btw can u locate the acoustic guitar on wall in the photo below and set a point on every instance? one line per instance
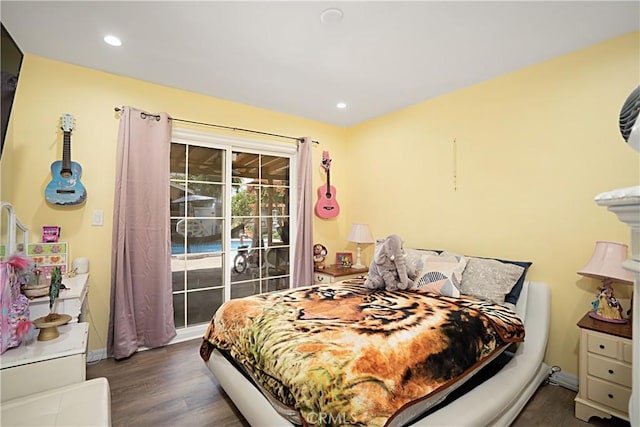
(65, 187)
(327, 204)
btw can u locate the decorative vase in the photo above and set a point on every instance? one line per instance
(48, 325)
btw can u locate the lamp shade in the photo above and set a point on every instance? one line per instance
(606, 263)
(360, 234)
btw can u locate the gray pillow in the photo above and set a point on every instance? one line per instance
(489, 279)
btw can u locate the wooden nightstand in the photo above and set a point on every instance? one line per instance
(605, 369)
(334, 273)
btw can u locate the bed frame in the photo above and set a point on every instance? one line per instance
(496, 402)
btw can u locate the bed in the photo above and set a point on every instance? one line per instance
(520, 372)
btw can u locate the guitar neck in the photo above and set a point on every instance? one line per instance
(327, 192)
(66, 156)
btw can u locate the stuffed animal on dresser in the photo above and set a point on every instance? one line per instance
(319, 255)
(388, 269)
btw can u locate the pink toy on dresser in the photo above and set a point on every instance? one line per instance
(15, 306)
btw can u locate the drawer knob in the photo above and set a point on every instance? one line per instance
(610, 396)
(601, 346)
(611, 371)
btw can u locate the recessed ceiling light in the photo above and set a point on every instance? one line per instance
(341, 105)
(112, 40)
(331, 16)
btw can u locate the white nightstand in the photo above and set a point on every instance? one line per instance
(45, 365)
(333, 273)
(605, 369)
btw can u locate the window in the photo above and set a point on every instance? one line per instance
(230, 221)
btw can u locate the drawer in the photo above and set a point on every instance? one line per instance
(627, 352)
(323, 278)
(609, 394)
(609, 370)
(603, 345)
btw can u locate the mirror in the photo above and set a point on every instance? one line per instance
(14, 236)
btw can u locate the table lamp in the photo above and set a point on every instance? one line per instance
(606, 264)
(359, 234)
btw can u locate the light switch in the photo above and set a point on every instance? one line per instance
(98, 218)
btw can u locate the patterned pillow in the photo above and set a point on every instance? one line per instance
(414, 259)
(489, 279)
(441, 274)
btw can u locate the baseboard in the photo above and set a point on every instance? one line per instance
(183, 334)
(96, 355)
(565, 380)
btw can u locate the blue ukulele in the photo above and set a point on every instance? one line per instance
(65, 187)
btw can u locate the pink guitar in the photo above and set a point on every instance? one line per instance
(327, 205)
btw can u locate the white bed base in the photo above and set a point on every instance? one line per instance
(495, 402)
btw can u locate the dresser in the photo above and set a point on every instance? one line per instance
(605, 369)
(335, 273)
(45, 365)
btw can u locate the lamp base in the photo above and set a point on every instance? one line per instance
(358, 263)
(606, 319)
(606, 307)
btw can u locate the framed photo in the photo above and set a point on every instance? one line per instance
(344, 259)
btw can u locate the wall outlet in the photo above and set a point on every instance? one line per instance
(98, 218)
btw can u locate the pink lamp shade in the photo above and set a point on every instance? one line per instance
(606, 263)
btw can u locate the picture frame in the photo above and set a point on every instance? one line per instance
(344, 259)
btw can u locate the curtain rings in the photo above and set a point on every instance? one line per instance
(144, 115)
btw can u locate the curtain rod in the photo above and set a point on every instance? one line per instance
(157, 117)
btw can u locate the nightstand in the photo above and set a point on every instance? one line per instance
(605, 369)
(335, 273)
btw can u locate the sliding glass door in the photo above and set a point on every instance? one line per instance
(230, 222)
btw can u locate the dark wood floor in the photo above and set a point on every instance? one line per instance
(171, 386)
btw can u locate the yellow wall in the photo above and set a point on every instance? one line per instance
(47, 89)
(534, 148)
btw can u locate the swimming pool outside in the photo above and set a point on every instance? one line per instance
(178, 248)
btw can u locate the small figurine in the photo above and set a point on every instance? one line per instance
(319, 255)
(606, 306)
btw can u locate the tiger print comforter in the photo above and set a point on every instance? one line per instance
(341, 354)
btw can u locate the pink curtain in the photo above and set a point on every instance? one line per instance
(141, 302)
(303, 256)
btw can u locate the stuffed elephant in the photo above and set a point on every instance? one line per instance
(388, 269)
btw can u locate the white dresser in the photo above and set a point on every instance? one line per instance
(45, 365)
(72, 301)
(625, 203)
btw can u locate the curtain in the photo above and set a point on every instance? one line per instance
(303, 255)
(141, 302)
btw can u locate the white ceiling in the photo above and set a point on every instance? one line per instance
(381, 57)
